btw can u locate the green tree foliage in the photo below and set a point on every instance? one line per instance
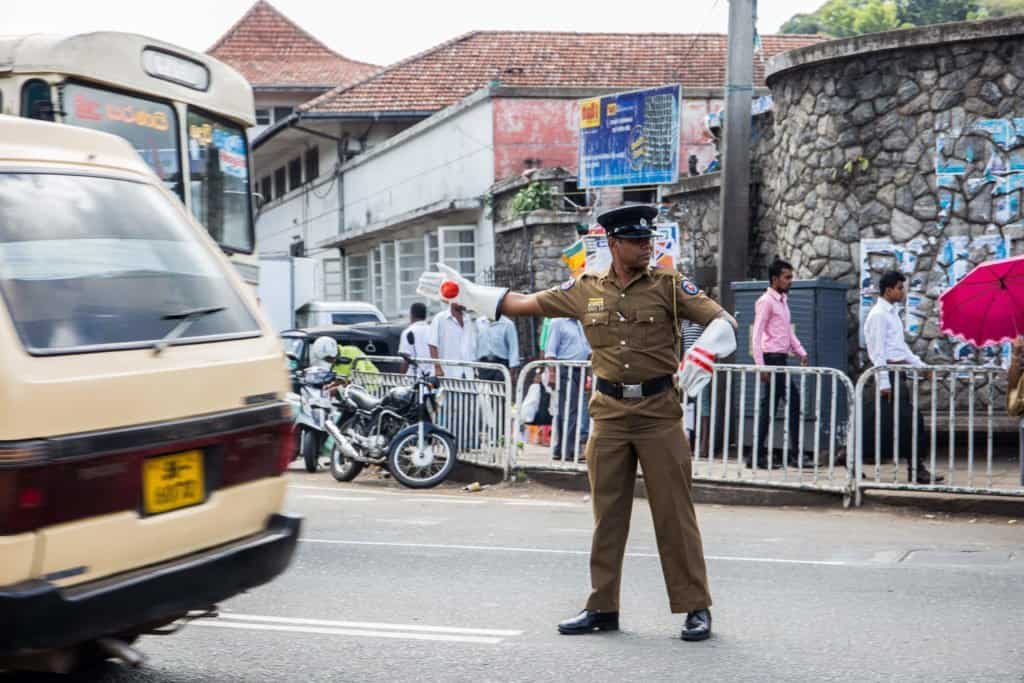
(925, 12)
(1000, 8)
(843, 18)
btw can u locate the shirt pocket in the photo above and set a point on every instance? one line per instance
(597, 330)
(653, 328)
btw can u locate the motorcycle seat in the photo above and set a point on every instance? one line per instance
(363, 398)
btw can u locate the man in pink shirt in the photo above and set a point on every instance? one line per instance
(773, 343)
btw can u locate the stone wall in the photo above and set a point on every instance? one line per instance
(528, 248)
(902, 148)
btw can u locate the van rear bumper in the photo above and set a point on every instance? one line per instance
(39, 615)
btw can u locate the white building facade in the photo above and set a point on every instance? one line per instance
(375, 222)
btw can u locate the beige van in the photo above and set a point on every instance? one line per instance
(142, 429)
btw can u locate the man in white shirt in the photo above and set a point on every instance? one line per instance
(415, 340)
(883, 334)
(453, 337)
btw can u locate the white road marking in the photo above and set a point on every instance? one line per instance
(563, 551)
(444, 501)
(347, 499)
(541, 503)
(396, 635)
(440, 496)
(372, 625)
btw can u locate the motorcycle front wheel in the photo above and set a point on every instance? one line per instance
(422, 468)
(342, 468)
(309, 450)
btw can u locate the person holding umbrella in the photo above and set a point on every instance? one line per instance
(987, 307)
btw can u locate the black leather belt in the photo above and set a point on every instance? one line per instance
(649, 388)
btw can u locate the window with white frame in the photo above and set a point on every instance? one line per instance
(357, 277)
(334, 285)
(411, 264)
(458, 249)
(432, 255)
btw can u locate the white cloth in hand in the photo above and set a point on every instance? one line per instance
(717, 341)
(478, 298)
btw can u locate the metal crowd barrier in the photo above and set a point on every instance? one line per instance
(745, 429)
(567, 382)
(477, 411)
(929, 404)
(732, 431)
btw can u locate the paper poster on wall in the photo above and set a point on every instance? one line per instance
(1006, 208)
(665, 254)
(666, 246)
(878, 255)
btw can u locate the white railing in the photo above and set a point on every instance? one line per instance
(745, 430)
(736, 436)
(901, 435)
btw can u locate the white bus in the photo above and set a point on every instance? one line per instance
(185, 113)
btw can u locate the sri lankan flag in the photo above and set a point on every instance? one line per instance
(575, 257)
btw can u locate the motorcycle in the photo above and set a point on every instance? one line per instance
(397, 431)
(316, 411)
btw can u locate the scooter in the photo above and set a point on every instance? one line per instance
(316, 411)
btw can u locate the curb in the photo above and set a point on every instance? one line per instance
(726, 494)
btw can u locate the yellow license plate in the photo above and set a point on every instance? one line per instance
(173, 481)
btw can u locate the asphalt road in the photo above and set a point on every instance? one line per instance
(398, 585)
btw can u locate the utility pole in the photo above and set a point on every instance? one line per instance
(734, 226)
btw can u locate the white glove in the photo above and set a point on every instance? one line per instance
(717, 341)
(479, 298)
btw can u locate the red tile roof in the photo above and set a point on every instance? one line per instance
(444, 74)
(269, 49)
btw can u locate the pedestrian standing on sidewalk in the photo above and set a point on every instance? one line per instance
(415, 340)
(630, 315)
(1015, 377)
(773, 343)
(497, 342)
(887, 345)
(453, 337)
(566, 341)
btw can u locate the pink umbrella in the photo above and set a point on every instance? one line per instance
(987, 306)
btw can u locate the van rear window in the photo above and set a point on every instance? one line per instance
(93, 263)
(353, 318)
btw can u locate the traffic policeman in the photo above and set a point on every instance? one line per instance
(630, 315)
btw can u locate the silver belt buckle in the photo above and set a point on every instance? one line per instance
(632, 391)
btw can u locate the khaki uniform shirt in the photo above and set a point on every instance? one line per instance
(631, 328)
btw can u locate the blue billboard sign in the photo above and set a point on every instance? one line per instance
(630, 138)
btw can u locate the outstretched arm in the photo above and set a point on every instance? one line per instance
(520, 304)
(448, 286)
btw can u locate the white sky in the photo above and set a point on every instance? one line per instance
(382, 32)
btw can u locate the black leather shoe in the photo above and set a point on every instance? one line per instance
(923, 476)
(588, 622)
(697, 626)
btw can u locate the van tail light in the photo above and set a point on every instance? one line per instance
(24, 487)
(286, 446)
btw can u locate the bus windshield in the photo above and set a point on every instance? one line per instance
(150, 126)
(219, 180)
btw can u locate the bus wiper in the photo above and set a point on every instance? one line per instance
(185, 320)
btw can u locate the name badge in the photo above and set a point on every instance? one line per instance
(595, 305)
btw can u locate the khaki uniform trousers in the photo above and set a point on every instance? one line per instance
(633, 432)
